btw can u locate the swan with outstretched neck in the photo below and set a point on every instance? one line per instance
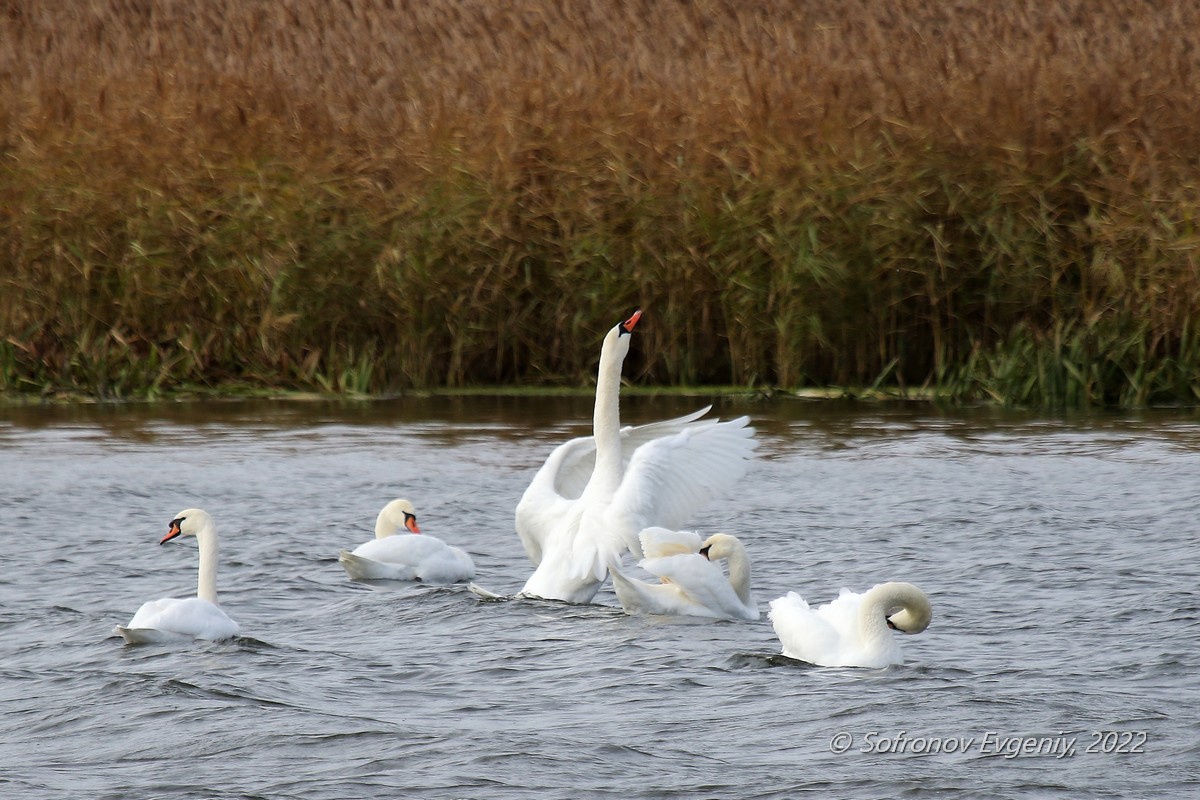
(588, 502)
(692, 584)
(199, 617)
(855, 630)
(410, 556)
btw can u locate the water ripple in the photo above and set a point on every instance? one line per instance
(1059, 555)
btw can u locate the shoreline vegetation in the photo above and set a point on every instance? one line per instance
(188, 394)
(973, 201)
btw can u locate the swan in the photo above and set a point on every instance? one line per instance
(692, 584)
(409, 556)
(197, 617)
(855, 630)
(588, 501)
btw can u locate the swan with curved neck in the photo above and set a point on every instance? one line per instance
(196, 617)
(587, 503)
(855, 630)
(692, 584)
(409, 556)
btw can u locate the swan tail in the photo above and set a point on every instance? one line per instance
(145, 635)
(365, 569)
(638, 597)
(627, 594)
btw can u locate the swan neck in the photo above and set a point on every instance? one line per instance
(739, 574)
(206, 584)
(383, 528)
(872, 619)
(606, 415)
(912, 617)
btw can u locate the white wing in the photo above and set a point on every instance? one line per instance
(547, 503)
(549, 499)
(669, 479)
(661, 542)
(699, 580)
(692, 586)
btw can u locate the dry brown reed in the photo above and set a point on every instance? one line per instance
(375, 194)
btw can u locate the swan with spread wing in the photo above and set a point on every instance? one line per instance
(594, 494)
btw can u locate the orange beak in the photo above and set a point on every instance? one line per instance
(172, 533)
(633, 320)
(410, 522)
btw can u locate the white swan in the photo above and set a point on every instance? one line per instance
(587, 503)
(855, 630)
(692, 585)
(197, 617)
(410, 556)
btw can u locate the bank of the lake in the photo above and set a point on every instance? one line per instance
(984, 201)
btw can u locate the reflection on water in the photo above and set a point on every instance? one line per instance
(1059, 553)
(451, 413)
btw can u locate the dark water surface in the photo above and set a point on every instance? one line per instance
(1060, 556)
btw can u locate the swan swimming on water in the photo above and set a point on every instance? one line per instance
(411, 556)
(199, 617)
(594, 494)
(855, 630)
(692, 583)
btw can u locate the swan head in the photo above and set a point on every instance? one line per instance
(396, 515)
(618, 337)
(188, 522)
(721, 545)
(907, 608)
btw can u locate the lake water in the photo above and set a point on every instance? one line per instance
(1060, 556)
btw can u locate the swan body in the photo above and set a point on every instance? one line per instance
(588, 501)
(412, 556)
(172, 620)
(692, 583)
(855, 630)
(197, 617)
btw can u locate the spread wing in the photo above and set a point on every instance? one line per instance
(548, 503)
(670, 478)
(552, 493)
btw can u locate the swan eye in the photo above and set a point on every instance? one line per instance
(704, 551)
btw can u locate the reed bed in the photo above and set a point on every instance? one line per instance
(987, 200)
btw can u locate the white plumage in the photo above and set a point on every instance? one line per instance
(692, 584)
(171, 619)
(587, 503)
(411, 556)
(855, 630)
